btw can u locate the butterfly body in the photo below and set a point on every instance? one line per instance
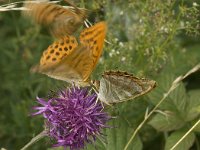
(71, 61)
(116, 86)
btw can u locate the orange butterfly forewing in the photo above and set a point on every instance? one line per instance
(79, 60)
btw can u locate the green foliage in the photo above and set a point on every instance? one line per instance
(175, 136)
(152, 38)
(117, 136)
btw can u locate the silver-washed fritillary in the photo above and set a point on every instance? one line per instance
(116, 87)
(71, 61)
(61, 21)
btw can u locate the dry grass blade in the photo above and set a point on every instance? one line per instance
(184, 136)
(174, 85)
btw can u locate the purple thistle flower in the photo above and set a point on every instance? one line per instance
(73, 118)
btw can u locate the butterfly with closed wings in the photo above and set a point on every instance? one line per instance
(71, 61)
(117, 86)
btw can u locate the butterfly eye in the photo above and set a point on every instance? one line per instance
(71, 21)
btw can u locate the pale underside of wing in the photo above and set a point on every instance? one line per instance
(120, 88)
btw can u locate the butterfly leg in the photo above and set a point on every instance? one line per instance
(93, 87)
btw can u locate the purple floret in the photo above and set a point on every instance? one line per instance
(73, 118)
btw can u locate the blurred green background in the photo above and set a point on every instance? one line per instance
(156, 39)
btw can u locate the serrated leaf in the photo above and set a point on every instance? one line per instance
(156, 95)
(179, 99)
(133, 117)
(166, 122)
(193, 108)
(118, 137)
(176, 136)
(175, 102)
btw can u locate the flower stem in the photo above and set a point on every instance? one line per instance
(35, 139)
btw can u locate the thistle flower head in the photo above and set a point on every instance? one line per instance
(73, 118)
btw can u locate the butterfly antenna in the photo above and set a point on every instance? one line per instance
(86, 24)
(89, 24)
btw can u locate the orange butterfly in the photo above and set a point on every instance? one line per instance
(61, 21)
(72, 62)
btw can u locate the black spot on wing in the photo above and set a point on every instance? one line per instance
(67, 41)
(53, 59)
(52, 51)
(65, 48)
(70, 47)
(47, 57)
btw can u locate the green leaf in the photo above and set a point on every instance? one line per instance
(197, 128)
(133, 118)
(98, 144)
(164, 83)
(192, 123)
(167, 122)
(193, 108)
(175, 102)
(176, 136)
(190, 56)
(179, 99)
(118, 137)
